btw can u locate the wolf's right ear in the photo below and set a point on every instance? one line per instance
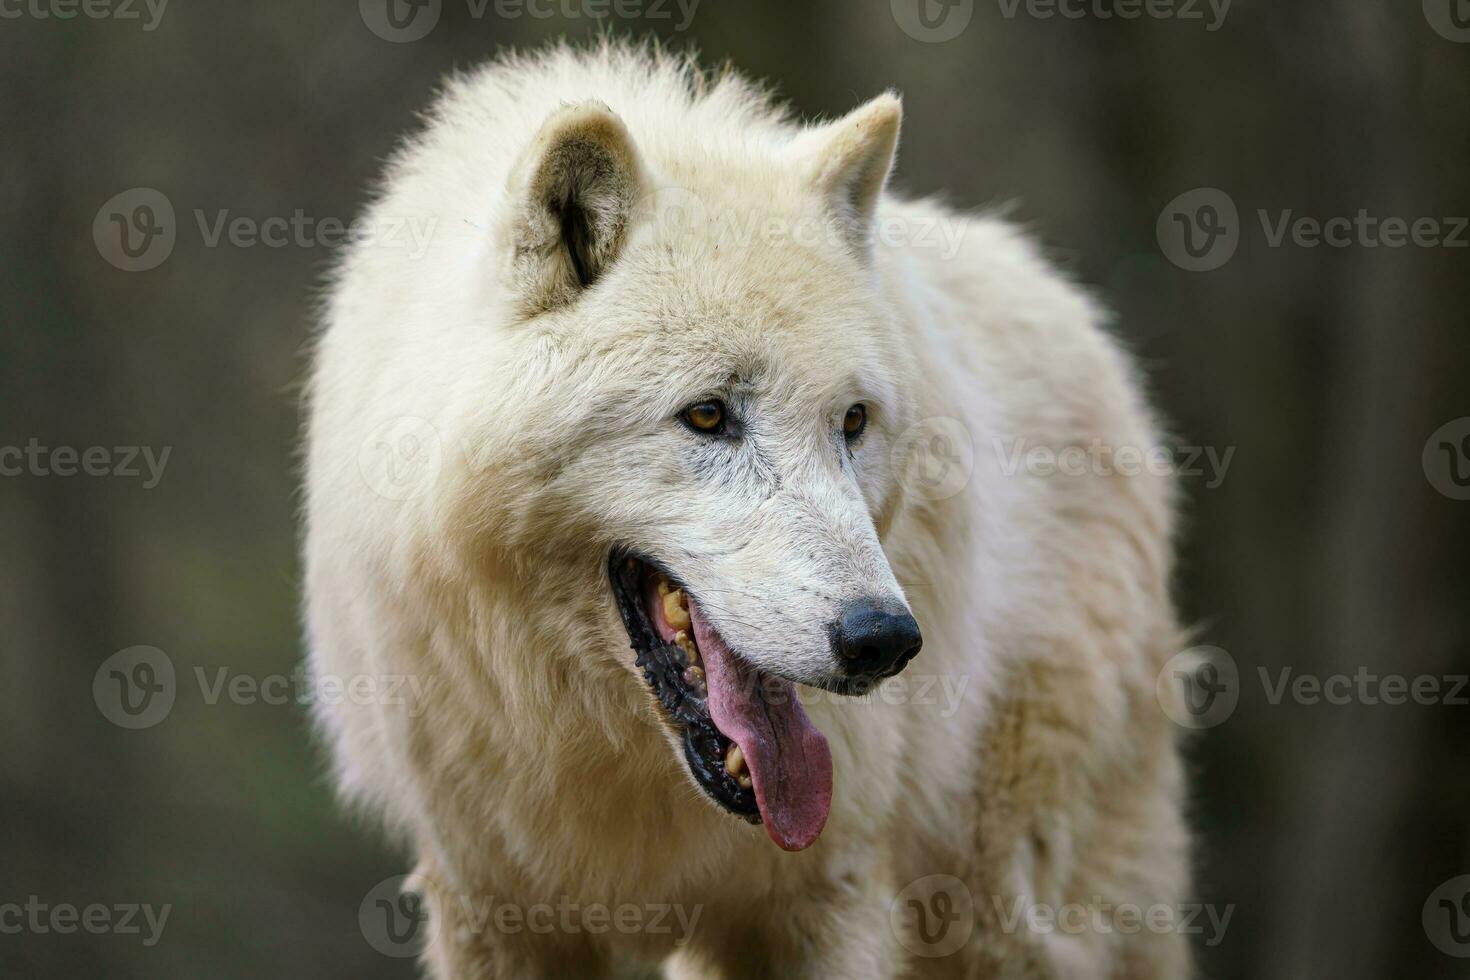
(572, 195)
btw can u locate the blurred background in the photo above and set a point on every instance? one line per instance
(1336, 374)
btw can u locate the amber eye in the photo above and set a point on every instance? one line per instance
(854, 422)
(705, 417)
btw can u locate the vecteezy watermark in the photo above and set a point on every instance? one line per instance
(1363, 230)
(1201, 688)
(137, 230)
(1364, 687)
(1446, 917)
(63, 918)
(401, 457)
(1446, 459)
(393, 917)
(1098, 458)
(937, 21)
(696, 228)
(933, 916)
(671, 213)
(405, 21)
(121, 462)
(1198, 688)
(1102, 918)
(138, 687)
(401, 916)
(1449, 18)
(148, 12)
(1200, 230)
(934, 458)
(301, 230)
(301, 687)
(943, 692)
(932, 21)
(400, 21)
(1210, 12)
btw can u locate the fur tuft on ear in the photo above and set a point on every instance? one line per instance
(572, 194)
(848, 162)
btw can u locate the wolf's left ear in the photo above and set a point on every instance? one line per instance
(848, 162)
(572, 194)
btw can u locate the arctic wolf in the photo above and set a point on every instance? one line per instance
(690, 475)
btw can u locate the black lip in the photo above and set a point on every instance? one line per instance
(861, 685)
(663, 668)
(853, 687)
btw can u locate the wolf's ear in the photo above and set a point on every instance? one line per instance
(848, 162)
(572, 194)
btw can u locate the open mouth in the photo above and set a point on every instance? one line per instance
(747, 740)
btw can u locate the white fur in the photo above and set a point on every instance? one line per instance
(534, 764)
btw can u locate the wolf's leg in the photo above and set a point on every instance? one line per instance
(803, 938)
(472, 935)
(491, 955)
(1079, 814)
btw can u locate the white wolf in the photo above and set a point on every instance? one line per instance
(661, 455)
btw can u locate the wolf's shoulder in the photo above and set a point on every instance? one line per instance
(988, 274)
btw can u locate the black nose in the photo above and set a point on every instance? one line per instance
(874, 641)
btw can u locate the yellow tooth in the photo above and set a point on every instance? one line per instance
(694, 677)
(676, 610)
(744, 780)
(663, 587)
(735, 761)
(686, 643)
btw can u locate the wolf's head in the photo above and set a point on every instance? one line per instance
(708, 383)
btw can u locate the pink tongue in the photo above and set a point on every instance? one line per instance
(788, 758)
